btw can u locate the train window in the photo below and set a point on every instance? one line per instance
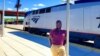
(25, 15)
(33, 12)
(48, 10)
(42, 11)
(36, 12)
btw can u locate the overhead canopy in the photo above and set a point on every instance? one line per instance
(13, 13)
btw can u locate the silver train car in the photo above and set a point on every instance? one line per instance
(84, 20)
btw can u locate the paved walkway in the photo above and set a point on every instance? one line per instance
(13, 45)
(18, 26)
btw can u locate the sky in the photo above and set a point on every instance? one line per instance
(27, 5)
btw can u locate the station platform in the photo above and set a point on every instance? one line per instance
(19, 43)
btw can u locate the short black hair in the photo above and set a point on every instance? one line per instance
(58, 21)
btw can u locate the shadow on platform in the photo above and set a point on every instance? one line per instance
(38, 39)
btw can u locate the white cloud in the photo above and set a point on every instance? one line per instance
(40, 4)
(35, 5)
(25, 9)
(71, 1)
(34, 8)
(20, 9)
(63, 0)
(9, 2)
(9, 9)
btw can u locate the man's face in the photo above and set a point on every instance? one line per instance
(58, 25)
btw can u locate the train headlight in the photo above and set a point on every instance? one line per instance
(48, 33)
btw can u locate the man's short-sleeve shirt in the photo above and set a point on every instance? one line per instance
(57, 36)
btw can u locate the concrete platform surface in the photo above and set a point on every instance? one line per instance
(13, 45)
(18, 26)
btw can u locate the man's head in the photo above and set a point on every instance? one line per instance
(58, 24)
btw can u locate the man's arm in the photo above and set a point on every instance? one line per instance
(50, 36)
(50, 40)
(64, 38)
(64, 41)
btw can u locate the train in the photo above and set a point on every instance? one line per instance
(84, 20)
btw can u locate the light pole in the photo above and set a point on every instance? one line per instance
(67, 25)
(3, 22)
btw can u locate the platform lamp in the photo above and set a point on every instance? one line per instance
(3, 19)
(67, 26)
(17, 6)
(68, 2)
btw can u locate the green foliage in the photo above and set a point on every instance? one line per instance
(12, 19)
(9, 20)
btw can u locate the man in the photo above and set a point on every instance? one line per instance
(58, 40)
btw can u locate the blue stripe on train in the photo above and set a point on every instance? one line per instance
(73, 34)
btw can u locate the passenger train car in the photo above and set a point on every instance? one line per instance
(84, 20)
